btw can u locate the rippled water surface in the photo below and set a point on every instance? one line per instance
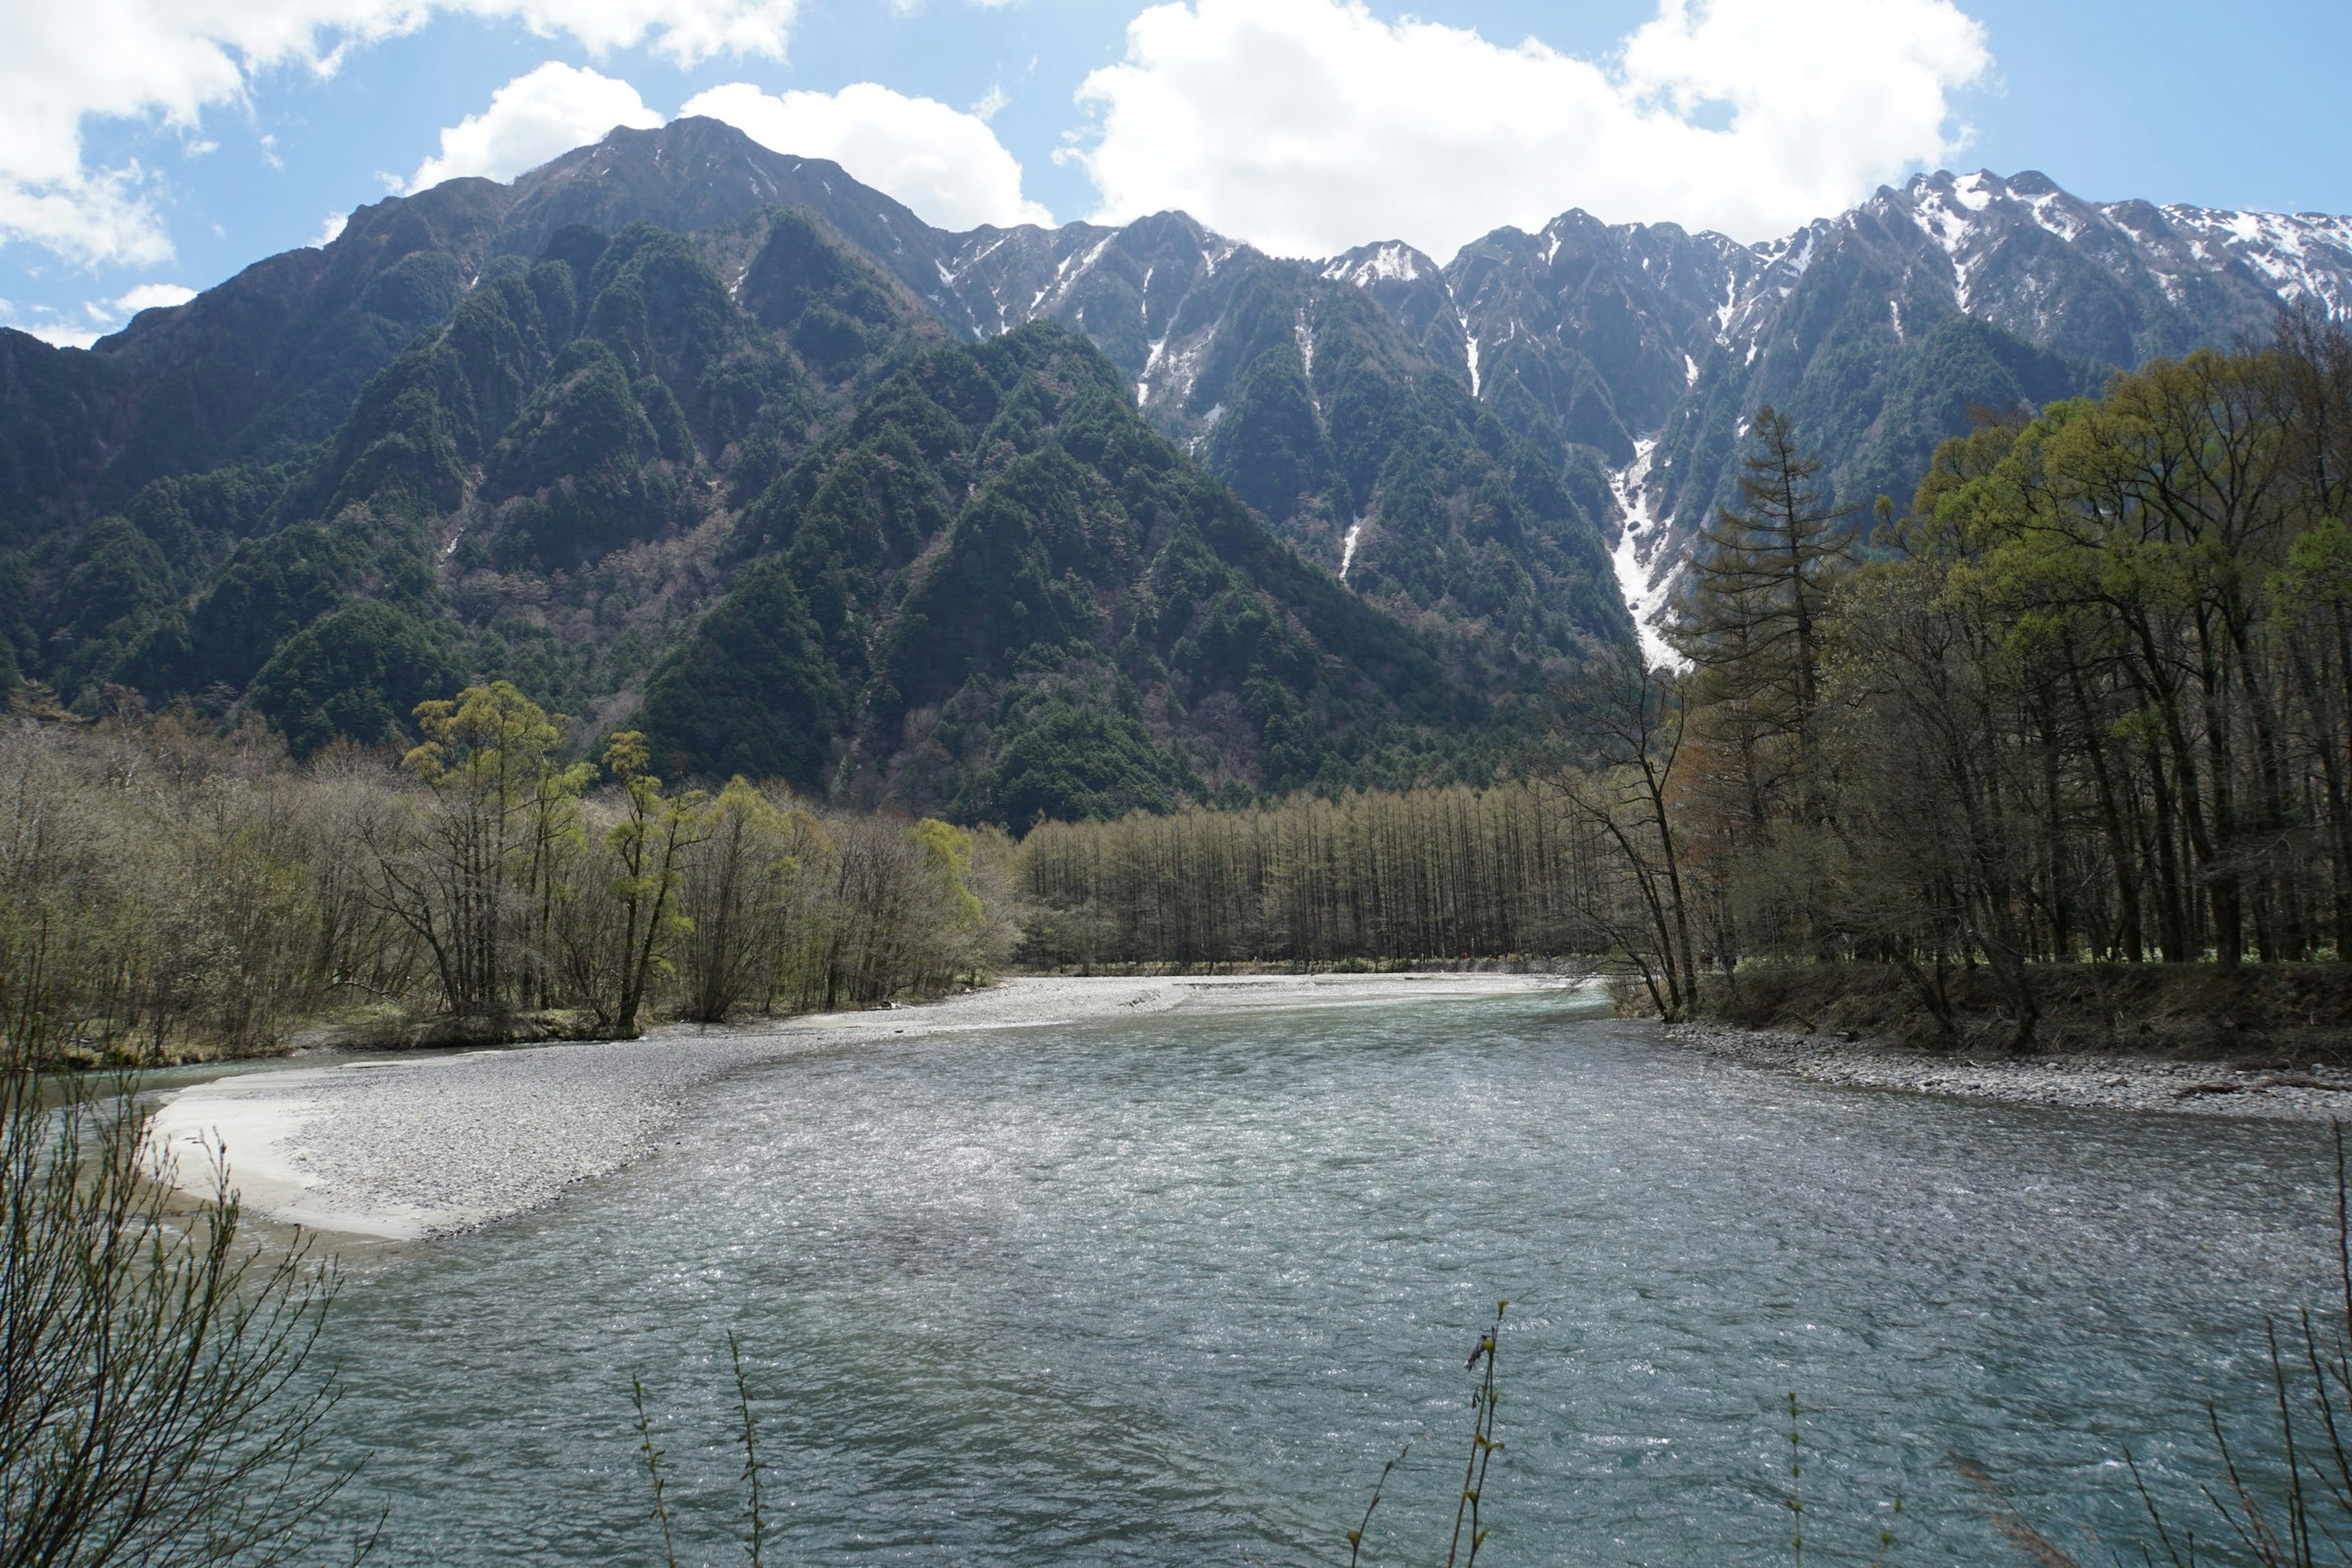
(1169, 1291)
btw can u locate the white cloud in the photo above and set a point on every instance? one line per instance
(150, 296)
(168, 62)
(945, 164)
(533, 118)
(331, 230)
(57, 331)
(1311, 126)
(54, 326)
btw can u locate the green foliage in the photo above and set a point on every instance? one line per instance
(358, 672)
(1937, 388)
(20, 644)
(1878, 399)
(583, 466)
(1063, 763)
(751, 692)
(988, 523)
(1270, 446)
(832, 307)
(2086, 702)
(1469, 527)
(583, 416)
(1015, 585)
(117, 572)
(272, 589)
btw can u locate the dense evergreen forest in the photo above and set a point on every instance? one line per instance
(690, 437)
(2089, 698)
(167, 891)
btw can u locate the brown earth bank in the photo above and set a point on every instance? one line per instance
(2279, 1014)
(391, 1031)
(2267, 1040)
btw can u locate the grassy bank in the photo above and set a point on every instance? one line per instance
(2283, 1012)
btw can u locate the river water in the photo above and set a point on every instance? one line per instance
(1169, 1291)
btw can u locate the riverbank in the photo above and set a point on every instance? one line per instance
(2260, 1015)
(407, 1148)
(2311, 1091)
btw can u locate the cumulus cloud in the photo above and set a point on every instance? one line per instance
(103, 316)
(1311, 126)
(145, 296)
(945, 164)
(533, 118)
(52, 326)
(168, 62)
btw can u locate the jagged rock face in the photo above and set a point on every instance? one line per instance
(1649, 345)
(1600, 329)
(1628, 355)
(695, 175)
(275, 357)
(1879, 328)
(1146, 293)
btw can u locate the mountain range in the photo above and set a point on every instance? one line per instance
(682, 432)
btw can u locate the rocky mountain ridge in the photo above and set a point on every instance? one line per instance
(1505, 451)
(1649, 345)
(1583, 333)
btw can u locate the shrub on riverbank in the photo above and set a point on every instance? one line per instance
(161, 1403)
(170, 893)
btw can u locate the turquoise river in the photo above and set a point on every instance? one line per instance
(1170, 1289)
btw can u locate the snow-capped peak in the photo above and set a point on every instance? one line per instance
(1388, 263)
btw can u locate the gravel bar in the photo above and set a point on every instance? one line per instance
(405, 1148)
(2315, 1093)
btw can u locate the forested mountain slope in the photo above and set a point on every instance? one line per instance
(542, 429)
(740, 488)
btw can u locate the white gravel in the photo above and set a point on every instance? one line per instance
(2307, 1092)
(404, 1148)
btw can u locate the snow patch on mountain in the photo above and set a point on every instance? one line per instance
(2012, 248)
(2301, 256)
(1643, 577)
(1388, 263)
(1151, 363)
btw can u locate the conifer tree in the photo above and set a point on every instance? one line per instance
(1761, 579)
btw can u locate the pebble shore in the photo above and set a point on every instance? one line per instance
(2309, 1092)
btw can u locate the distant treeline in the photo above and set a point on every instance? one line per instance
(1433, 873)
(163, 889)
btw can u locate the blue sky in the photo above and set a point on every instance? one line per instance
(156, 150)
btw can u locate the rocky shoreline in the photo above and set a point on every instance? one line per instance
(2311, 1092)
